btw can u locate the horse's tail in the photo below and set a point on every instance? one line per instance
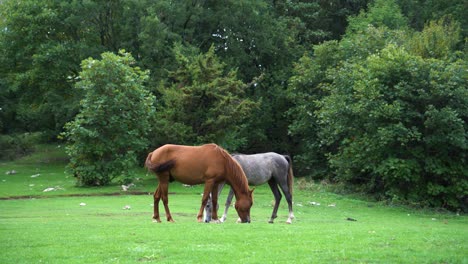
(290, 174)
(158, 167)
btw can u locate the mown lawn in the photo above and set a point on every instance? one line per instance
(53, 227)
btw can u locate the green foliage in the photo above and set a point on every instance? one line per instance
(382, 13)
(203, 104)
(317, 21)
(420, 12)
(41, 46)
(114, 121)
(439, 39)
(398, 122)
(304, 91)
(311, 82)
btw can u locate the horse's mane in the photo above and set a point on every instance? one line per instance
(233, 168)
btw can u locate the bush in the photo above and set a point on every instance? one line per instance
(387, 107)
(110, 131)
(399, 122)
(17, 145)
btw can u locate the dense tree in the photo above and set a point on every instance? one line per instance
(381, 14)
(317, 21)
(385, 115)
(439, 39)
(43, 43)
(303, 91)
(36, 60)
(204, 103)
(312, 76)
(420, 12)
(111, 129)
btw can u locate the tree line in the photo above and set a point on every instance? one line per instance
(371, 94)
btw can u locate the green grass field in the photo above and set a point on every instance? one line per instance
(52, 227)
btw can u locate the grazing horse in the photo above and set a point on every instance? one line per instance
(269, 167)
(209, 164)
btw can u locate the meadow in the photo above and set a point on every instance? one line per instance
(72, 224)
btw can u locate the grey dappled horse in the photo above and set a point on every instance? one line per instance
(268, 167)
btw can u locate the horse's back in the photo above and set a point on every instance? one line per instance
(268, 159)
(192, 164)
(171, 151)
(259, 168)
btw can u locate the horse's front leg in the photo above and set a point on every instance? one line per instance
(207, 211)
(214, 201)
(206, 195)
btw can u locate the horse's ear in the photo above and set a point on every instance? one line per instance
(251, 191)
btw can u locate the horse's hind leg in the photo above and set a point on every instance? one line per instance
(162, 193)
(288, 195)
(228, 203)
(165, 199)
(277, 194)
(157, 197)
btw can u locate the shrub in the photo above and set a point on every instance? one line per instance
(17, 145)
(111, 128)
(399, 122)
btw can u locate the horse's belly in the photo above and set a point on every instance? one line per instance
(256, 181)
(189, 181)
(189, 175)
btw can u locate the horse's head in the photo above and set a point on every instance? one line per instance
(243, 206)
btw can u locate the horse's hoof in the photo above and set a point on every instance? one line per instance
(289, 221)
(271, 221)
(215, 221)
(156, 221)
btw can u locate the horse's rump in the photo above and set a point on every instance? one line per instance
(165, 166)
(158, 167)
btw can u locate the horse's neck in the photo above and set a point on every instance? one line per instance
(234, 170)
(239, 189)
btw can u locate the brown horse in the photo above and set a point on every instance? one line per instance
(209, 164)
